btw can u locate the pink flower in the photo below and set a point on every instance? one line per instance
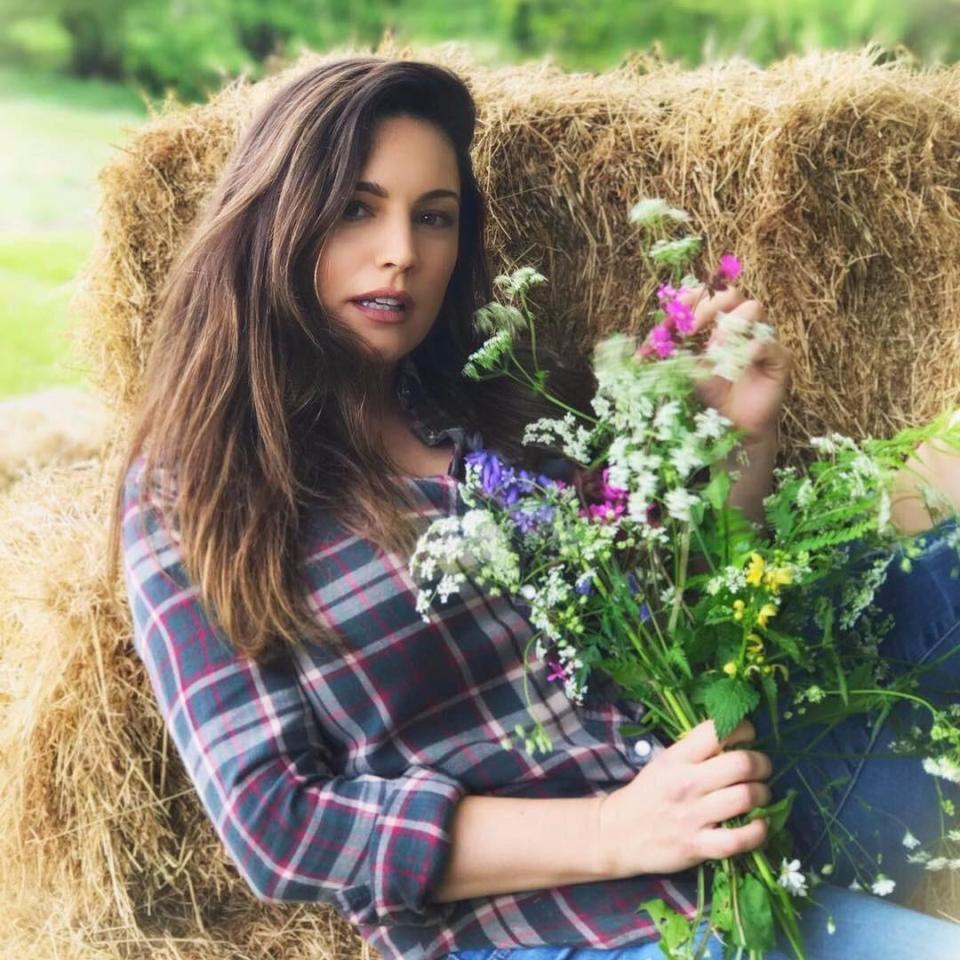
(682, 316)
(661, 341)
(730, 267)
(559, 672)
(666, 293)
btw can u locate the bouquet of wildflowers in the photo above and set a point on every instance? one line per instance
(643, 570)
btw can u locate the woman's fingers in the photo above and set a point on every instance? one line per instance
(733, 801)
(701, 742)
(734, 766)
(771, 358)
(721, 842)
(706, 307)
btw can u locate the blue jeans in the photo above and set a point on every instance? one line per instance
(873, 803)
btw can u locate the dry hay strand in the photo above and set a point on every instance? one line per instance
(834, 177)
(107, 851)
(57, 425)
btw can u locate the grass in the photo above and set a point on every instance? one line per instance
(59, 133)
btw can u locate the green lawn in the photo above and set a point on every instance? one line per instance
(60, 132)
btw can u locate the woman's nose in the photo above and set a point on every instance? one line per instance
(397, 246)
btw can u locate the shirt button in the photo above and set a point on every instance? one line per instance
(643, 749)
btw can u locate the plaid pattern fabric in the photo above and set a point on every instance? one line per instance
(334, 780)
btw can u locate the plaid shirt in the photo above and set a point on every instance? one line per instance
(334, 781)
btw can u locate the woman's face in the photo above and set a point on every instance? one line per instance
(394, 235)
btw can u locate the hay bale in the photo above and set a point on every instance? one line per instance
(834, 178)
(106, 849)
(57, 425)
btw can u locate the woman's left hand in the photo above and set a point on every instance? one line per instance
(753, 401)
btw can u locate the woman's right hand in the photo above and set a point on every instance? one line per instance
(669, 817)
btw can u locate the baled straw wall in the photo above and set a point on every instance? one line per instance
(836, 179)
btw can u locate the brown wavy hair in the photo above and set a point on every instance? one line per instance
(255, 402)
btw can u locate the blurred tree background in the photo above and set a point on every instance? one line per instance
(75, 75)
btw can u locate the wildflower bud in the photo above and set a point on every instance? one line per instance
(730, 668)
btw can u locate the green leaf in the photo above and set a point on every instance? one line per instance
(772, 696)
(787, 643)
(721, 908)
(673, 928)
(717, 490)
(756, 915)
(781, 514)
(728, 701)
(678, 658)
(778, 813)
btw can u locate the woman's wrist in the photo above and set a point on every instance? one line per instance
(755, 476)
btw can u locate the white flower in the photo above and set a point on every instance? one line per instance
(518, 281)
(637, 505)
(665, 419)
(855, 885)
(937, 863)
(942, 767)
(791, 879)
(678, 503)
(686, 458)
(763, 332)
(732, 323)
(652, 210)
(710, 424)
(487, 355)
(831, 926)
(675, 252)
(640, 461)
(883, 885)
(805, 493)
(910, 841)
(495, 317)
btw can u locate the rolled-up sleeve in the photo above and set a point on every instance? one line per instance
(296, 828)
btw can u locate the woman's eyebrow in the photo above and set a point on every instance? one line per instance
(378, 190)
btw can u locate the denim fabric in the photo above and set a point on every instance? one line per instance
(874, 802)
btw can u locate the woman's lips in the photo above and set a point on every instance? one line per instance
(381, 316)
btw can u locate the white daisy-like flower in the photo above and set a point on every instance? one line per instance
(883, 885)
(791, 879)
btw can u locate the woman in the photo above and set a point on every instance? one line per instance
(303, 420)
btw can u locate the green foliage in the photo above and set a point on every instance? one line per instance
(673, 928)
(190, 45)
(728, 701)
(756, 915)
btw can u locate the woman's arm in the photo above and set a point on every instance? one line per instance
(297, 829)
(756, 476)
(666, 819)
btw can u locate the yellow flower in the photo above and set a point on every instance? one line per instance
(755, 570)
(738, 609)
(754, 644)
(767, 611)
(730, 668)
(778, 577)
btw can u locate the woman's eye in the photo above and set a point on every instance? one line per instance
(352, 203)
(437, 219)
(443, 219)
